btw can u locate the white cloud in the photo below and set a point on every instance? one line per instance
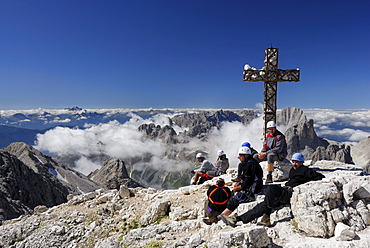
(231, 135)
(341, 125)
(114, 139)
(124, 141)
(85, 166)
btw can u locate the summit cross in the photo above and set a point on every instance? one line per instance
(271, 75)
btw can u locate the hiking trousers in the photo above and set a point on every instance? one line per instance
(275, 196)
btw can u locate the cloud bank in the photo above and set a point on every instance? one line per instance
(125, 141)
(348, 126)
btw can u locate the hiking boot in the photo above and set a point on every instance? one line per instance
(268, 178)
(228, 220)
(238, 179)
(207, 221)
(265, 221)
(229, 184)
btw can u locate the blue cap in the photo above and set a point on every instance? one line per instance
(298, 157)
(246, 144)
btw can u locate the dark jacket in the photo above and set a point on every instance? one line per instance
(218, 197)
(253, 151)
(302, 175)
(251, 175)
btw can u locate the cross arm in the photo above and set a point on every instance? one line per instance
(251, 75)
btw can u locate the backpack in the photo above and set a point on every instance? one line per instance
(215, 202)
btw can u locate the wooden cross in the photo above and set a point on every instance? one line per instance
(271, 75)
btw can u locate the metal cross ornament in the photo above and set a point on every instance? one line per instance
(271, 75)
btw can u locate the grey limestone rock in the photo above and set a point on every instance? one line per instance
(44, 164)
(22, 189)
(334, 152)
(113, 174)
(361, 154)
(300, 133)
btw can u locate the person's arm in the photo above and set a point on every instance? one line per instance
(313, 175)
(264, 145)
(237, 187)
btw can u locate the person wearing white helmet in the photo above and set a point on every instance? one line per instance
(221, 165)
(204, 168)
(253, 152)
(251, 183)
(277, 195)
(274, 149)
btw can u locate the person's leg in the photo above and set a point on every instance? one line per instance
(197, 176)
(275, 195)
(232, 204)
(271, 157)
(254, 213)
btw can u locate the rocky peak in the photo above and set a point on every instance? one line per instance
(113, 174)
(41, 163)
(152, 131)
(22, 189)
(31, 157)
(299, 132)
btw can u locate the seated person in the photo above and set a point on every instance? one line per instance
(221, 165)
(204, 168)
(251, 181)
(253, 152)
(218, 196)
(274, 149)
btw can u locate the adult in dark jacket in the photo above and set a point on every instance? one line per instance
(274, 149)
(217, 197)
(253, 152)
(277, 195)
(251, 176)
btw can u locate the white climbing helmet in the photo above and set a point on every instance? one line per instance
(220, 153)
(270, 124)
(199, 155)
(244, 150)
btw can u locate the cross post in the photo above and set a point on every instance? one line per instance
(271, 75)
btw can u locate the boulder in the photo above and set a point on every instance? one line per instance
(310, 205)
(344, 232)
(155, 211)
(247, 237)
(360, 157)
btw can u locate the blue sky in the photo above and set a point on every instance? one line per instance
(181, 54)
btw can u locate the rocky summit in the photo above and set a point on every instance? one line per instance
(45, 203)
(333, 212)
